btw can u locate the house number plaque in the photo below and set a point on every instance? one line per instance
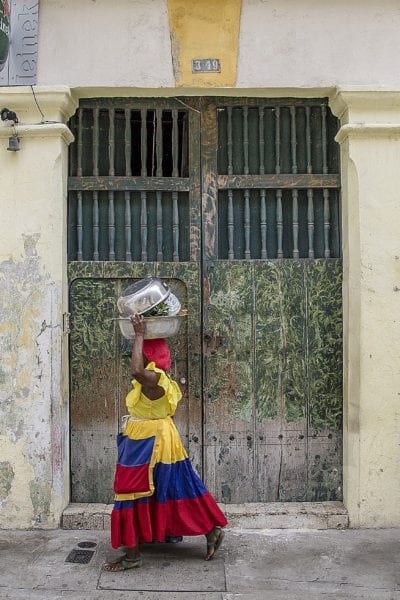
(206, 65)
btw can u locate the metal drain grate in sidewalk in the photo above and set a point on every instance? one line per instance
(80, 556)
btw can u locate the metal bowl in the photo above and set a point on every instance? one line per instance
(142, 295)
(156, 327)
(174, 306)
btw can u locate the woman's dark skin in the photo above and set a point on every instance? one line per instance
(148, 379)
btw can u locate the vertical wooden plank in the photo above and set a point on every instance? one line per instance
(111, 172)
(209, 250)
(231, 223)
(324, 303)
(310, 197)
(93, 390)
(280, 377)
(79, 217)
(228, 383)
(295, 203)
(128, 173)
(159, 173)
(263, 206)
(327, 224)
(143, 225)
(96, 116)
(279, 214)
(246, 192)
(209, 191)
(175, 173)
(143, 195)
(279, 223)
(195, 196)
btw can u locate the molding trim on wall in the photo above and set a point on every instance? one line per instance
(364, 130)
(43, 130)
(56, 103)
(346, 102)
(135, 92)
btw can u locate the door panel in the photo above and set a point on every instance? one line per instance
(269, 409)
(100, 372)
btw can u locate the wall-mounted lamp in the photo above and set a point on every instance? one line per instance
(13, 141)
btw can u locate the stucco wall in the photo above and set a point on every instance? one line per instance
(34, 474)
(103, 43)
(370, 144)
(317, 43)
(282, 43)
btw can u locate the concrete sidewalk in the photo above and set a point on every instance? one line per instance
(251, 565)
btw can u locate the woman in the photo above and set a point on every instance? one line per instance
(157, 493)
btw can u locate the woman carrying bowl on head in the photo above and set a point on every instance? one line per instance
(157, 492)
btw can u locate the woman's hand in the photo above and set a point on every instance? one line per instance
(138, 324)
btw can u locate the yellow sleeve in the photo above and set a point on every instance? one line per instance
(173, 393)
(133, 397)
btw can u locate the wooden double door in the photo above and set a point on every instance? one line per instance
(235, 202)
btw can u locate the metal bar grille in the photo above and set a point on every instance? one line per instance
(278, 180)
(128, 182)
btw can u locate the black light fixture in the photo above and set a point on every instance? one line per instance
(13, 141)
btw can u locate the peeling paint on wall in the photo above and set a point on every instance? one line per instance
(30, 346)
(6, 478)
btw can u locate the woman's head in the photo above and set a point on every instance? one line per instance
(157, 351)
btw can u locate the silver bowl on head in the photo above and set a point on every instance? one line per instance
(142, 295)
(155, 327)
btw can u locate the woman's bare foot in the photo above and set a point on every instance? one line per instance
(214, 540)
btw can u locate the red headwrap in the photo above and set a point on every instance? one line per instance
(157, 351)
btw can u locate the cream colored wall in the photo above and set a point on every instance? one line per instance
(34, 474)
(282, 43)
(370, 144)
(97, 43)
(312, 43)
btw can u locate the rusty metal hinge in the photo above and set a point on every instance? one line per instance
(66, 326)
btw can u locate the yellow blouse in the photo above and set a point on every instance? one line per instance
(141, 407)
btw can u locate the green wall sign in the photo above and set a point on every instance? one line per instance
(4, 32)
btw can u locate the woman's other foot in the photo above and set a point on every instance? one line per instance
(123, 563)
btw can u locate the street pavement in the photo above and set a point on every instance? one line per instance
(272, 564)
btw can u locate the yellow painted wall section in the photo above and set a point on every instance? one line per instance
(201, 30)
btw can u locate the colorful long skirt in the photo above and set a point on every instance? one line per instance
(157, 492)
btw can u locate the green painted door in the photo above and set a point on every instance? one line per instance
(235, 203)
(272, 368)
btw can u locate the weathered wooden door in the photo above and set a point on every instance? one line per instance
(272, 301)
(133, 213)
(235, 202)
